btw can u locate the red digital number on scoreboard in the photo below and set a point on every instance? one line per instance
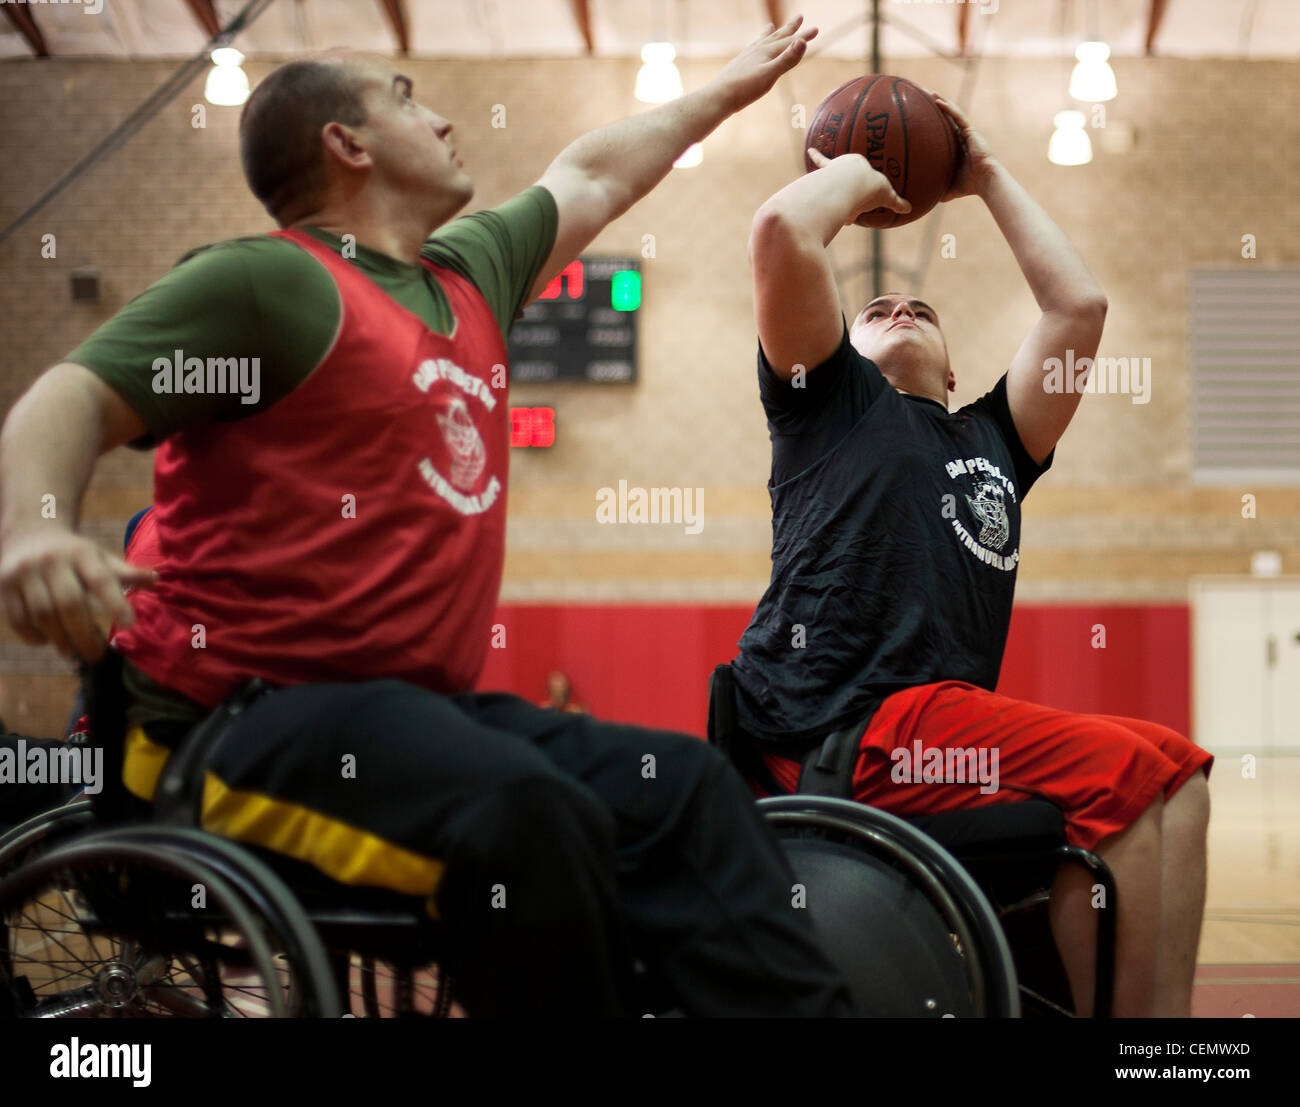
(570, 275)
(532, 426)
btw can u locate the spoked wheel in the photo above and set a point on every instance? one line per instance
(304, 984)
(22, 842)
(306, 979)
(910, 930)
(100, 928)
(156, 922)
(388, 991)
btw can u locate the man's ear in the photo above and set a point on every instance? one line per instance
(341, 143)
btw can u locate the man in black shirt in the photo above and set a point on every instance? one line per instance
(896, 533)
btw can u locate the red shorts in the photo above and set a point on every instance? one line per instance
(1103, 771)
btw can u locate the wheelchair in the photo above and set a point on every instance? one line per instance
(942, 914)
(105, 915)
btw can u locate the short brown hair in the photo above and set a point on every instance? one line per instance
(279, 129)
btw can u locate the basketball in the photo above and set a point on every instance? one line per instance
(900, 130)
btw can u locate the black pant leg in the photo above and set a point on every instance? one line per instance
(526, 894)
(705, 886)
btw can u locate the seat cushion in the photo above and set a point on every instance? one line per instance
(1026, 826)
(1009, 848)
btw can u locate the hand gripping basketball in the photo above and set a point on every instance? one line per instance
(977, 162)
(877, 195)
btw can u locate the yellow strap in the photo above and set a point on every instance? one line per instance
(341, 851)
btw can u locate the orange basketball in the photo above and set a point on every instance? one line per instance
(900, 130)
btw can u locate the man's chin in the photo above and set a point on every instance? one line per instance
(453, 197)
(916, 382)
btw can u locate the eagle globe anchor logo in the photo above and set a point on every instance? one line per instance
(989, 506)
(464, 445)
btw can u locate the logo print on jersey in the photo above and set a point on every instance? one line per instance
(456, 388)
(990, 509)
(992, 504)
(468, 454)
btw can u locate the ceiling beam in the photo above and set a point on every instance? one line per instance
(1154, 15)
(206, 14)
(582, 17)
(963, 29)
(25, 24)
(774, 13)
(396, 12)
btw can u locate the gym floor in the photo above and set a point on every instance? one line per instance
(1249, 962)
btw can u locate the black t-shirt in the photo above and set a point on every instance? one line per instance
(895, 539)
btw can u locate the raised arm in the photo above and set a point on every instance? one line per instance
(796, 304)
(1073, 305)
(597, 178)
(56, 584)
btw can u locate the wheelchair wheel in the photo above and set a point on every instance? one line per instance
(909, 928)
(388, 991)
(109, 926)
(22, 842)
(304, 968)
(100, 928)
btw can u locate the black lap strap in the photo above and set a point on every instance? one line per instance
(105, 699)
(178, 798)
(726, 733)
(828, 768)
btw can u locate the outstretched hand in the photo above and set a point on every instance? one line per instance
(753, 72)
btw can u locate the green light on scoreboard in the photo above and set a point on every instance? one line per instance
(625, 290)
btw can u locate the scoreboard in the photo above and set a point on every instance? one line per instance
(583, 325)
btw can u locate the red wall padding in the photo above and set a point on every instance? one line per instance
(650, 664)
(1144, 670)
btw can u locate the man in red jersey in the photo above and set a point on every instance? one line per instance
(329, 408)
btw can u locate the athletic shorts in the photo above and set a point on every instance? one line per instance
(952, 746)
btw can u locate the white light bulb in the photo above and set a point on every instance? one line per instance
(227, 83)
(658, 81)
(691, 156)
(1070, 144)
(1093, 80)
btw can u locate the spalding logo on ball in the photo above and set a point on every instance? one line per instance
(900, 130)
